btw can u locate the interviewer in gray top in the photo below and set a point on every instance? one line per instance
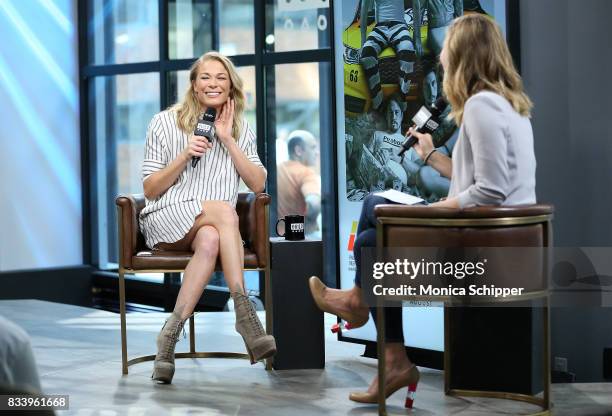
(493, 164)
(493, 161)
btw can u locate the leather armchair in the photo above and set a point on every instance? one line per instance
(136, 257)
(517, 226)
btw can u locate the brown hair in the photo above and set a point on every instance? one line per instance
(477, 59)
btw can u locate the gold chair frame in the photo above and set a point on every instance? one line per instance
(544, 402)
(125, 362)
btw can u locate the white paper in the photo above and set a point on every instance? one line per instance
(399, 197)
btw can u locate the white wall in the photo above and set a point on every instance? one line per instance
(40, 178)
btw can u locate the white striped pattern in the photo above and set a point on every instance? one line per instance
(170, 216)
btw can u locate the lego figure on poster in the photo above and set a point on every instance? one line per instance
(390, 30)
(440, 14)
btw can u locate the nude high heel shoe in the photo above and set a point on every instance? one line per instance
(258, 344)
(355, 318)
(410, 379)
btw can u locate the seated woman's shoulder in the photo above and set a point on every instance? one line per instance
(167, 115)
(168, 112)
(487, 100)
(485, 97)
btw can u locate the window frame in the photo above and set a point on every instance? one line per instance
(261, 60)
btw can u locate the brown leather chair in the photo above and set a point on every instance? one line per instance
(518, 226)
(136, 257)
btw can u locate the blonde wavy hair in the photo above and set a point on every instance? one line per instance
(189, 109)
(477, 59)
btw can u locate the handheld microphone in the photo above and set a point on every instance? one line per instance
(427, 120)
(205, 127)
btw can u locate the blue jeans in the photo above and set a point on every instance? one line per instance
(366, 237)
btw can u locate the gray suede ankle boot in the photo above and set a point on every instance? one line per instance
(258, 344)
(163, 368)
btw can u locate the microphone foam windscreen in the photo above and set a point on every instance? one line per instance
(210, 115)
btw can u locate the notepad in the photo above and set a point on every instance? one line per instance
(399, 197)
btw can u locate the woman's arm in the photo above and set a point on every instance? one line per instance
(158, 182)
(424, 148)
(452, 202)
(253, 175)
(485, 125)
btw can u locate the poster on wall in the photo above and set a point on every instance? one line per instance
(387, 69)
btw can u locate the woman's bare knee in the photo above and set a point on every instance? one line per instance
(219, 213)
(206, 241)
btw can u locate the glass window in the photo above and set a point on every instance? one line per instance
(123, 108)
(178, 81)
(189, 28)
(247, 73)
(297, 25)
(296, 113)
(236, 27)
(123, 31)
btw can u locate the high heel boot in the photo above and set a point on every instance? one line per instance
(258, 344)
(163, 367)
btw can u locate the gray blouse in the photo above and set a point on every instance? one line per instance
(493, 160)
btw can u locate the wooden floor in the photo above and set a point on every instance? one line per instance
(77, 351)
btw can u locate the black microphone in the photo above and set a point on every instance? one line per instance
(427, 120)
(205, 127)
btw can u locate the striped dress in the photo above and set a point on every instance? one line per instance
(171, 215)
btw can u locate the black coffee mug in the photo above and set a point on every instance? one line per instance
(294, 227)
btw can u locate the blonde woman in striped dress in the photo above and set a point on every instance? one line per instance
(193, 208)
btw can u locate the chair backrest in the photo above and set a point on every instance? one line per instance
(472, 227)
(517, 226)
(131, 240)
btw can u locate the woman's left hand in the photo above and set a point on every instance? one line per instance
(424, 144)
(225, 122)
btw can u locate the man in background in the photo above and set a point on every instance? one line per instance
(299, 185)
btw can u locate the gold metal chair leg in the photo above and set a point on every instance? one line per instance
(545, 319)
(447, 343)
(124, 363)
(380, 346)
(380, 329)
(268, 307)
(192, 334)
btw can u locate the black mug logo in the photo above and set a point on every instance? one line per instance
(294, 227)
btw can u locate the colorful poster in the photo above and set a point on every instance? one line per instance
(384, 75)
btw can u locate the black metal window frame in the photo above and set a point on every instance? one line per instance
(262, 60)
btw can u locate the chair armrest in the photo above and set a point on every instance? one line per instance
(129, 207)
(420, 211)
(261, 239)
(251, 210)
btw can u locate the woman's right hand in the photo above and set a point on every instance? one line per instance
(196, 147)
(424, 144)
